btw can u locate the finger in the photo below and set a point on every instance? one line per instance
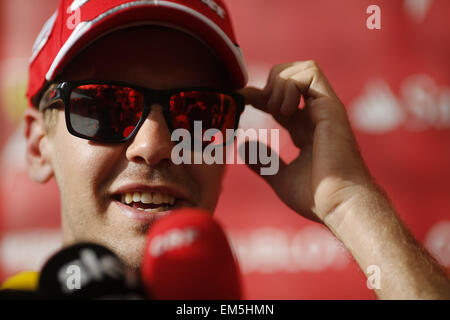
(277, 93)
(307, 128)
(276, 96)
(281, 72)
(291, 100)
(255, 97)
(258, 98)
(297, 123)
(312, 83)
(274, 73)
(299, 127)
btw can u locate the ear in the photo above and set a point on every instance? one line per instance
(38, 162)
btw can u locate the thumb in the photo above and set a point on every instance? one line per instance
(262, 160)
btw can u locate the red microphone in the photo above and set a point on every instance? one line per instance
(187, 256)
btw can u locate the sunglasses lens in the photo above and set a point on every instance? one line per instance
(215, 111)
(110, 113)
(105, 112)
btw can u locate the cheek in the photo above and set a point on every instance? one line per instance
(80, 166)
(209, 179)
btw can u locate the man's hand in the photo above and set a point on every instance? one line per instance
(329, 182)
(329, 170)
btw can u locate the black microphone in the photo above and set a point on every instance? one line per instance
(19, 294)
(88, 271)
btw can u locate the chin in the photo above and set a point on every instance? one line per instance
(130, 250)
(128, 247)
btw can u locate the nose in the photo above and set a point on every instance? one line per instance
(152, 142)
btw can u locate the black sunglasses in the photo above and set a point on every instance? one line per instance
(113, 112)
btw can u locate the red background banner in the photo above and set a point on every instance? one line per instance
(395, 83)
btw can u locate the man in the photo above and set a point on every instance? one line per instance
(98, 129)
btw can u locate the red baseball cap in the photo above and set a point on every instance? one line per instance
(78, 23)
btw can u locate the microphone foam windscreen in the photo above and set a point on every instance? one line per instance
(187, 256)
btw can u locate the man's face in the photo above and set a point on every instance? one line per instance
(94, 177)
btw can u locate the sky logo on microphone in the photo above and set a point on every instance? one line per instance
(87, 269)
(174, 239)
